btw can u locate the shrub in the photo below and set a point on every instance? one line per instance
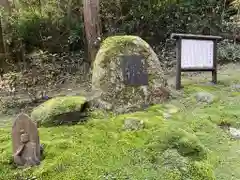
(47, 26)
(228, 52)
(61, 24)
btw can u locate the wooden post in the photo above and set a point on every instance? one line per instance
(214, 72)
(179, 72)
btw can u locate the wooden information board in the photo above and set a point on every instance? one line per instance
(196, 53)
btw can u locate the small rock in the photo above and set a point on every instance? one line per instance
(169, 111)
(208, 84)
(235, 133)
(167, 115)
(100, 104)
(133, 124)
(129, 109)
(204, 97)
(122, 110)
(171, 108)
(236, 87)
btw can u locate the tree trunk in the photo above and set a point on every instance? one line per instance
(3, 25)
(69, 14)
(92, 26)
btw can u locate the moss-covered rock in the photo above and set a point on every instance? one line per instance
(178, 167)
(107, 75)
(60, 110)
(187, 144)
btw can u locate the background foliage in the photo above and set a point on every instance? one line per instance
(58, 25)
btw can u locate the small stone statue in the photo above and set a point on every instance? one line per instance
(26, 152)
(26, 147)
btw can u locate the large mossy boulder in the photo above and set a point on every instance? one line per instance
(60, 110)
(107, 74)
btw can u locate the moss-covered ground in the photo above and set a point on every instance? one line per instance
(189, 145)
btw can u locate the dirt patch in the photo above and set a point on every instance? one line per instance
(22, 103)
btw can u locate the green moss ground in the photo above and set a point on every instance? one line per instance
(187, 146)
